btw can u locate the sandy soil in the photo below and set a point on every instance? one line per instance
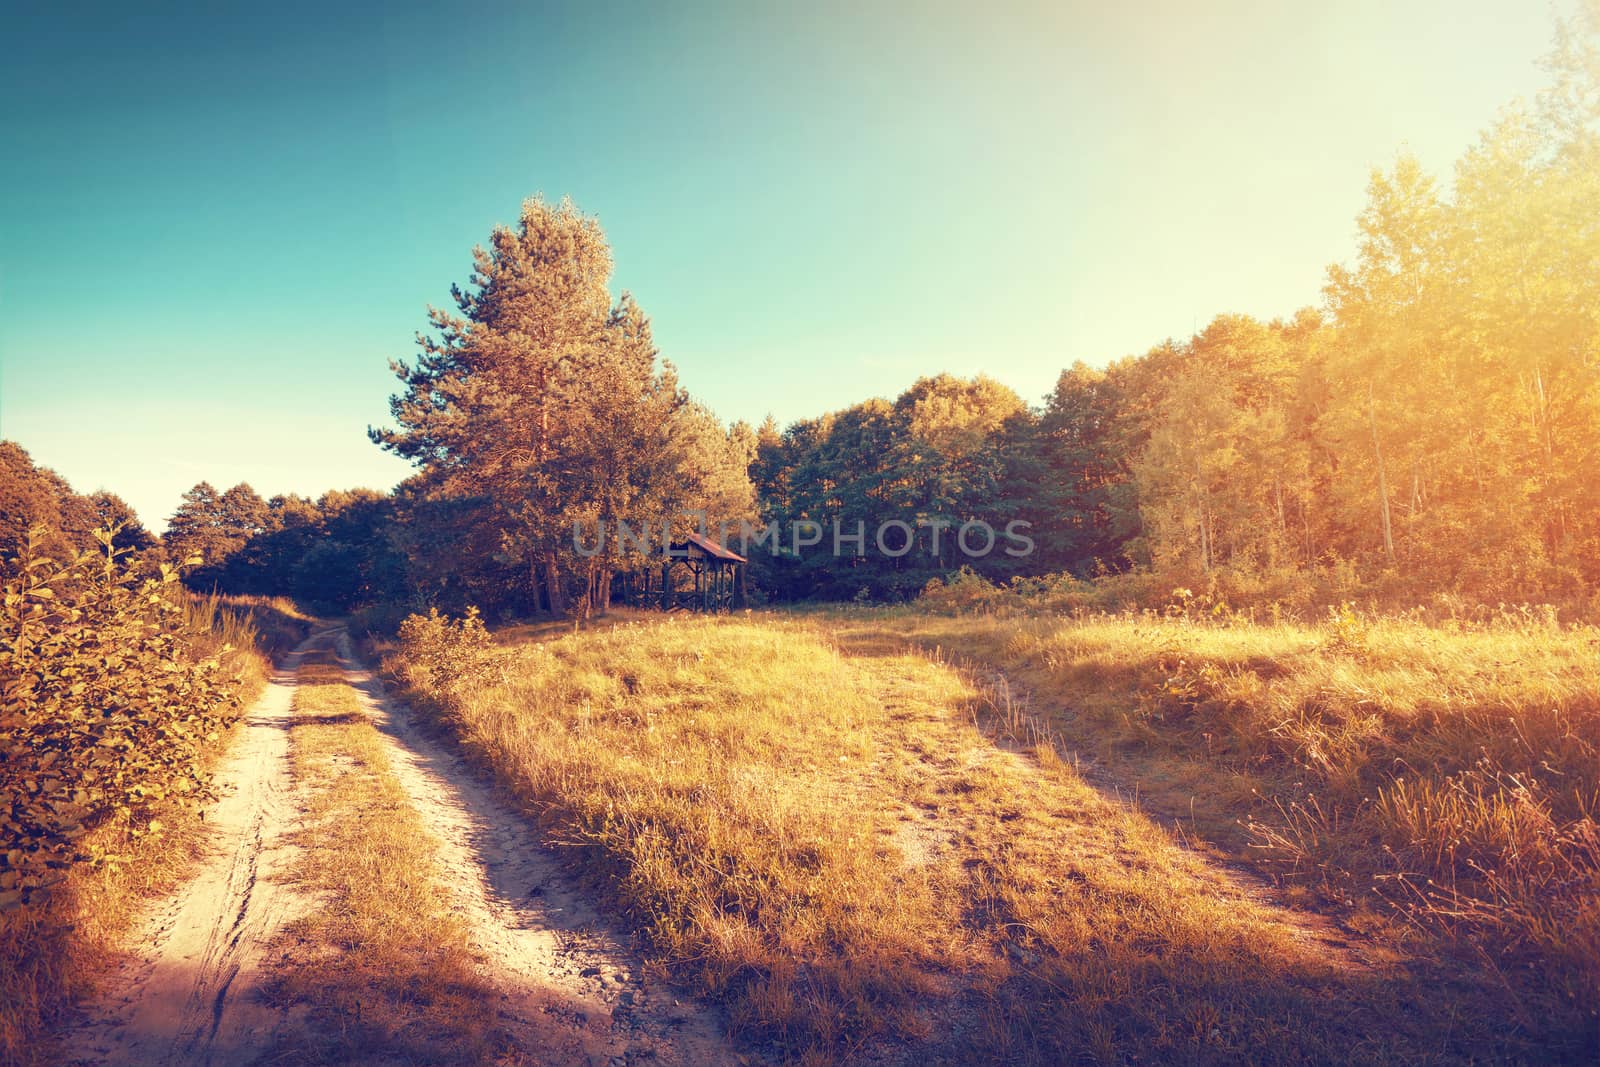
(189, 991)
(184, 994)
(570, 986)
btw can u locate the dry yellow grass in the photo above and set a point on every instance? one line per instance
(814, 824)
(381, 966)
(54, 953)
(1444, 775)
(265, 629)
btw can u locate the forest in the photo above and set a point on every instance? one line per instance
(1426, 432)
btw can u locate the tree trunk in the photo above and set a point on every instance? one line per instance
(1205, 516)
(534, 569)
(552, 582)
(586, 606)
(1556, 511)
(1383, 481)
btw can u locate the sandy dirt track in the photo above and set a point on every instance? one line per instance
(570, 986)
(184, 995)
(189, 992)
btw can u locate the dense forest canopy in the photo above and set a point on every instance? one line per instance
(1432, 427)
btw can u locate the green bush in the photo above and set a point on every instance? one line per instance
(440, 653)
(105, 706)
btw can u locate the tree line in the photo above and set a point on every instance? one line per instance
(1433, 427)
(37, 502)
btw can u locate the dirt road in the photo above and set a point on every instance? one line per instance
(183, 994)
(190, 990)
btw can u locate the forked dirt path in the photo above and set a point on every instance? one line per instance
(1006, 713)
(189, 992)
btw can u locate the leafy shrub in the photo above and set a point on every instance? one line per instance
(1347, 631)
(1232, 594)
(440, 653)
(967, 592)
(104, 707)
(114, 684)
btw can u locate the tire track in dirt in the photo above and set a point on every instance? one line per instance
(570, 987)
(186, 994)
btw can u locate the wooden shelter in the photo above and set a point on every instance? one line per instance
(715, 570)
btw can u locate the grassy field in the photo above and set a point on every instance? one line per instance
(842, 826)
(1451, 771)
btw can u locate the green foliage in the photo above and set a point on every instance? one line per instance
(966, 592)
(214, 527)
(540, 405)
(439, 651)
(947, 451)
(1431, 429)
(334, 554)
(1347, 630)
(105, 706)
(37, 503)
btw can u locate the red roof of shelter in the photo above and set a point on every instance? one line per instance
(709, 547)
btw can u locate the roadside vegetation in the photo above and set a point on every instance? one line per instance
(118, 689)
(381, 965)
(826, 828)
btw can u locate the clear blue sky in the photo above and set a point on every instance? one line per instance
(216, 228)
